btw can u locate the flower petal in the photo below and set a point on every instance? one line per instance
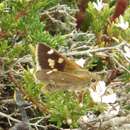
(98, 5)
(127, 51)
(122, 23)
(109, 98)
(100, 88)
(95, 97)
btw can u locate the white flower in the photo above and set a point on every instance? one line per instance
(122, 23)
(80, 62)
(100, 88)
(109, 98)
(99, 5)
(99, 96)
(126, 53)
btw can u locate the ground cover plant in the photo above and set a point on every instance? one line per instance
(95, 34)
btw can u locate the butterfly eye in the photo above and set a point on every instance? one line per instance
(93, 80)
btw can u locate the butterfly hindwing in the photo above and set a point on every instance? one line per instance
(62, 80)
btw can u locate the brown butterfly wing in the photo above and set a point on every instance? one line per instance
(61, 63)
(62, 80)
(61, 75)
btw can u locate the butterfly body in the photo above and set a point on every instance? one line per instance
(59, 72)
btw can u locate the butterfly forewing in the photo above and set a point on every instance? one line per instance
(48, 58)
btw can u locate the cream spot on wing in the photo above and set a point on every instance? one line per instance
(60, 60)
(51, 63)
(51, 51)
(49, 72)
(54, 70)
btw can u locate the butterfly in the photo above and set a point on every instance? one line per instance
(60, 72)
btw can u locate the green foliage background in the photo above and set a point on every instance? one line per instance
(21, 18)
